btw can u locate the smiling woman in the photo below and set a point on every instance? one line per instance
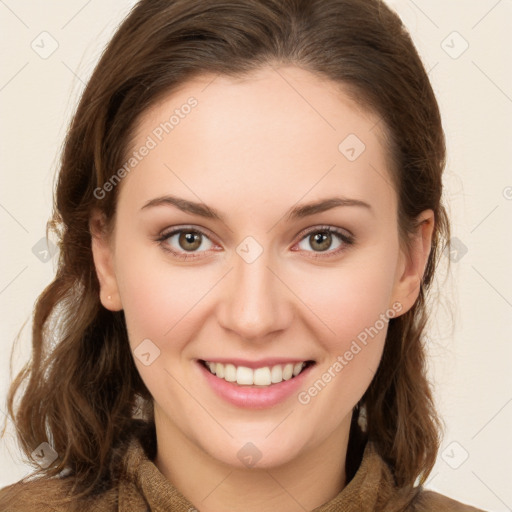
(240, 313)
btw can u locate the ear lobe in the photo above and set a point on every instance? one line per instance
(103, 256)
(412, 264)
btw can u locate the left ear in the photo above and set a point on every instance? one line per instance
(103, 255)
(413, 261)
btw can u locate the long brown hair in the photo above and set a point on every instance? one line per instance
(81, 387)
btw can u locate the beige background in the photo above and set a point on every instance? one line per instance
(470, 356)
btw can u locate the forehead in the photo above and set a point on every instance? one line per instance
(277, 135)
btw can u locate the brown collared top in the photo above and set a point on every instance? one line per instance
(142, 487)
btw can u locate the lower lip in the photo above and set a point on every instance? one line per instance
(251, 397)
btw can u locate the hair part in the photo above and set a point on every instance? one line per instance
(81, 393)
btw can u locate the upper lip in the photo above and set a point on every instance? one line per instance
(256, 364)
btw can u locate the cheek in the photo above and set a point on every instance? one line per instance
(352, 309)
(337, 302)
(347, 300)
(157, 298)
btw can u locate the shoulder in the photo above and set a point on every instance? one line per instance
(29, 495)
(428, 501)
(50, 495)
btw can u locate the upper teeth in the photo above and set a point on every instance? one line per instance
(260, 376)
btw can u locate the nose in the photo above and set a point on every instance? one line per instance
(256, 303)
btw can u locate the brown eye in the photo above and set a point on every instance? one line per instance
(327, 240)
(190, 240)
(321, 240)
(186, 242)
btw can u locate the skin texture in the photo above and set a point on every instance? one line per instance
(252, 149)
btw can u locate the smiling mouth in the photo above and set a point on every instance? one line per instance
(264, 376)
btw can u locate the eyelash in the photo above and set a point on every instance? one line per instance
(347, 241)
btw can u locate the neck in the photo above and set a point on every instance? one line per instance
(309, 480)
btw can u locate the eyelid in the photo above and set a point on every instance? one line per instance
(346, 237)
(324, 227)
(168, 232)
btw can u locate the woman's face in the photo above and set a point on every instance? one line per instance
(254, 173)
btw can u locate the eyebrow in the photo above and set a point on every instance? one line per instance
(297, 212)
